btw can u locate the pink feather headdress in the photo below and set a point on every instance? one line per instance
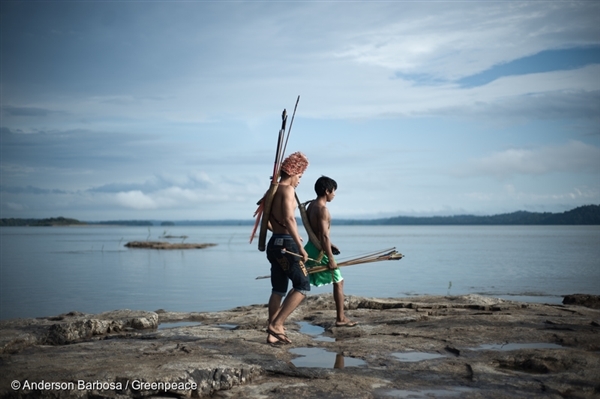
(295, 164)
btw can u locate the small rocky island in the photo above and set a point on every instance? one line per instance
(455, 346)
(166, 245)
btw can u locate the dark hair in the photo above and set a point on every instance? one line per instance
(323, 184)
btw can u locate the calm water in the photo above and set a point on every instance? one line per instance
(47, 271)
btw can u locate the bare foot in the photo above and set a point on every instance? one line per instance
(276, 336)
(346, 323)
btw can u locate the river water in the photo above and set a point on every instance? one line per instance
(47, 271)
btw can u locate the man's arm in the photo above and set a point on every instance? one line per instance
(324, 228)
(289, 218)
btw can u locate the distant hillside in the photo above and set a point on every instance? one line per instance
(583, 215)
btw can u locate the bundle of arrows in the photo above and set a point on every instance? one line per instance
(377, 256)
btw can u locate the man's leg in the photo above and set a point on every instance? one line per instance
(274, 306)
(290, 303)
(338, 297)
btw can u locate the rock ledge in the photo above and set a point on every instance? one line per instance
(462, 346)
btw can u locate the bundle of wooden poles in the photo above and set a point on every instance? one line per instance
(264, 205)
(377, 256)
(385, 254)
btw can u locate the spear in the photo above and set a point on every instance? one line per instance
(291, 123)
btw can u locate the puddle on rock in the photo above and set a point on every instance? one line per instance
(415, 356)
(427, 393)
(163, 326)
(228, 326)
(513, 346)
(314, 331)
(318, 357)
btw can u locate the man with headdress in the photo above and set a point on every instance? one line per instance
(285, 267)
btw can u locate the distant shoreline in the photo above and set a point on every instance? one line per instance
(583, 215)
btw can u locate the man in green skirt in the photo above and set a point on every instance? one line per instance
(320, 223)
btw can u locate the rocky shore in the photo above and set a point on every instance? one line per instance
(455, 346)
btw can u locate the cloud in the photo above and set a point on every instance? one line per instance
(15, 207)
(135, 200)
(173, 109)
(195, 180)
(545, 61)
(27, 111)
(173, 192)
(581, 193)
(550, 105)
(342, 66)
(575, 156)
(79, 151)
(201, 178)
(458, 41)
(551, 95)
(30, 190)
(171, 198)
(510, 199)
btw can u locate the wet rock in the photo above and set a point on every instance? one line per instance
(463, 346)
(71, 327)
(590, 301)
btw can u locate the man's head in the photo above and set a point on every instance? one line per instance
(294, 164)
(325, 185)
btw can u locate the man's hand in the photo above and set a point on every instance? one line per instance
(332, 264)
(304, 255)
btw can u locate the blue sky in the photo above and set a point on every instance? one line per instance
(170, 110)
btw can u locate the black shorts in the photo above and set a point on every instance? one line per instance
(285, 266)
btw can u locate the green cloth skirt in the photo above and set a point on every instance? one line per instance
(326, 276)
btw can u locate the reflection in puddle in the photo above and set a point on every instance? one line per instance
(415, 356)
(318, 357)
(427, 393)
(315, 331)
(163, 326)
(514, 347)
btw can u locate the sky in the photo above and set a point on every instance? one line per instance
(156, 110)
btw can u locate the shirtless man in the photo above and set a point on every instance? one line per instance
(320, 222)
(285, 267)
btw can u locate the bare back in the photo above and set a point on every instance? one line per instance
(282, 209)
(319, 219)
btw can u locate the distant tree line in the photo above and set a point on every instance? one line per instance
(583, 215)
(124, 223)
(59, 221)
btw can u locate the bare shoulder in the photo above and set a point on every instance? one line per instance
(286, 190)
(285, 193)
(324, 212)
(320, 211)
